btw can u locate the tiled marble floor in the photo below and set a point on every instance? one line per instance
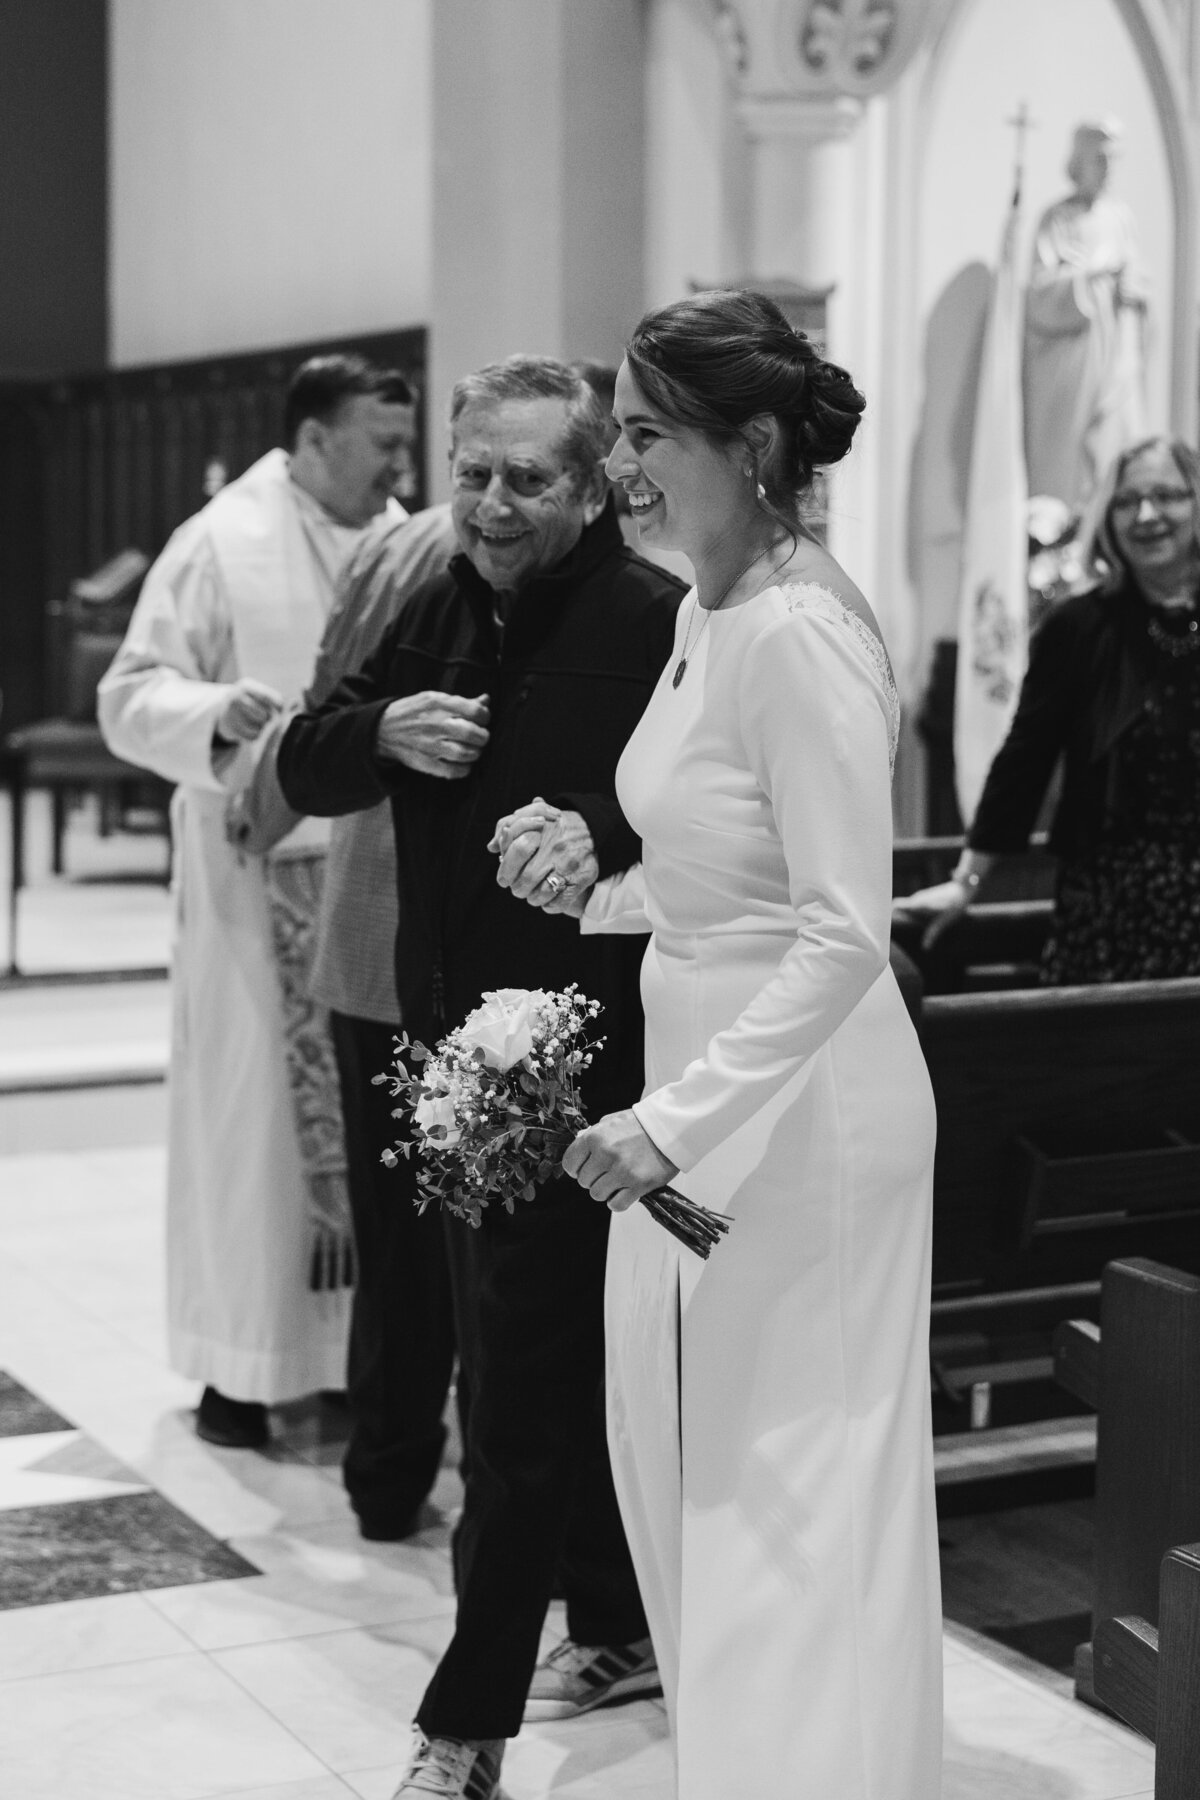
(297, 1683)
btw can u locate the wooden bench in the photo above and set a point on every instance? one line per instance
(1068, 1135)
(1141, 1370)
(998, 943)
(1150, 1677)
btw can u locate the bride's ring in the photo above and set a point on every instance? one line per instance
(555, 883)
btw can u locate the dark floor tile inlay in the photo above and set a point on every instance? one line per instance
(82, 1548)
(23, 1414)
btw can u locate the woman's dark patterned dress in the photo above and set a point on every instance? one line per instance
(1129, 910)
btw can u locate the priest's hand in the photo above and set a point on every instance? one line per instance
(251, 705)
(546, 857)
(616, 1162)
(434, 733)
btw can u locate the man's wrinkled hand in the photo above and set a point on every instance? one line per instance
(616, 1162)
(251, 705)
(434, 733)
(553, 866)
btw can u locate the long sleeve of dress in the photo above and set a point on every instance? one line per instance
(160, 702)
(815, 735)
(618, 904)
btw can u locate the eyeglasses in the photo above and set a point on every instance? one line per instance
(1160, 499)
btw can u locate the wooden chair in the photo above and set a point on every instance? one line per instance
(67, 754)
(64, 756)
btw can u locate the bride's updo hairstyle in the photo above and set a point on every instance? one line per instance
(727, 356)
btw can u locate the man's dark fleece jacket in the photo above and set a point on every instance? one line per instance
(568, 678)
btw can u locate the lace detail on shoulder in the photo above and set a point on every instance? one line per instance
(814, 598)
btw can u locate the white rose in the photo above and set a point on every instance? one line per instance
(437, 1109)
(502, 1028)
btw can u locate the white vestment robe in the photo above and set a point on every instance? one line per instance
(243, 588)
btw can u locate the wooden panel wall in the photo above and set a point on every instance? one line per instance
(93, 465)
(54, 192)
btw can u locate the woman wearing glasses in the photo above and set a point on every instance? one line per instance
(1113, 687)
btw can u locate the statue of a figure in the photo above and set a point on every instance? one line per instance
(1085, 314)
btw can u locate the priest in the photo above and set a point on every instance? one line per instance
(221, 644)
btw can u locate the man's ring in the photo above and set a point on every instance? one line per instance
(555, 883)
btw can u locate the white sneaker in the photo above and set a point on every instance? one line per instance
(453, 1770)
(576, 1677)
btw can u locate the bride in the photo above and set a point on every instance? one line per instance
(768, 1409)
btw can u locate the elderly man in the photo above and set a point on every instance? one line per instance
(524, 673)
(223, 636)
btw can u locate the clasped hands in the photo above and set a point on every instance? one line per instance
(546, 857)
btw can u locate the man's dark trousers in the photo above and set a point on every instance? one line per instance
(540, 1503)
(402, 1330)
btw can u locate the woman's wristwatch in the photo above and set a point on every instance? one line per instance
(969, 879)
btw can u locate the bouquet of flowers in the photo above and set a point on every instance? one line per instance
(495, 1106)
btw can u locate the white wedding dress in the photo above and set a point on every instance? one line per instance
(769, 1409)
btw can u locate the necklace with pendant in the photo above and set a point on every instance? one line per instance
(688, 646)
(1174, 644)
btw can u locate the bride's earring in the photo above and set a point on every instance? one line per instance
(760, 492)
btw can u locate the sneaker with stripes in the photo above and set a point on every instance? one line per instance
(452, 1770)
(576, 1677)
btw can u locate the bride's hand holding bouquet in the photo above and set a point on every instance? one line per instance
(616, 1162)
(495, 1112)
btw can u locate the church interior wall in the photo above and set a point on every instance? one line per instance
(270, 173)
(1069, 61)
(53, 223)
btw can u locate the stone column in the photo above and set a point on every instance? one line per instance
(538, 173)
(803, 71)
(802, 187)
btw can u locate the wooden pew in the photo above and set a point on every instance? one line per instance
(1141, 1371)
(1151, 1678)
(999, 942)
(1068, 1135)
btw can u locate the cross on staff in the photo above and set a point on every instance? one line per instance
(1021, 123)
